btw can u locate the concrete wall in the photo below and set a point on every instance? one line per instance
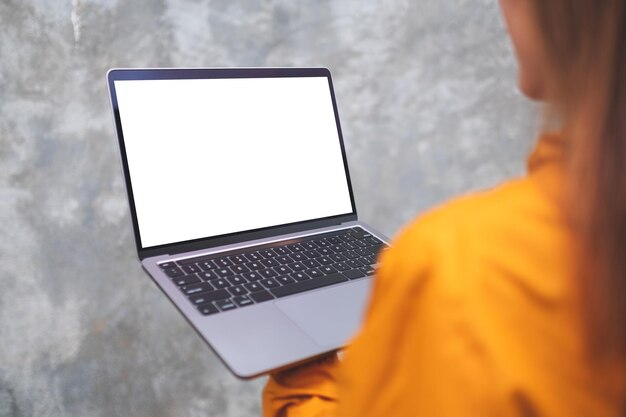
(427, 98)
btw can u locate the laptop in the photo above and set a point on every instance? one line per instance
(242, 208)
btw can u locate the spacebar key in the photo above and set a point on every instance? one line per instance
(308, 285)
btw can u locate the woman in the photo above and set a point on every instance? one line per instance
(510, 302)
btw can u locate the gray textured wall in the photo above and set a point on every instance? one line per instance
(426, 93)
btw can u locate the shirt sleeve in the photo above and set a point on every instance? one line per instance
(416, 354)
(308, 390)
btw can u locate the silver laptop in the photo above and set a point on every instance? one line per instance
(243, 210)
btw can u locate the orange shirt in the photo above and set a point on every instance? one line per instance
(473, 313)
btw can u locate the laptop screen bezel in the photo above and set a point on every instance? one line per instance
(221, 73)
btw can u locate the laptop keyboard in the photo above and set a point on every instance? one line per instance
(236, 279)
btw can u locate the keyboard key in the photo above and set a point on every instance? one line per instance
(174, 272)
(311, 254)
(190, 269)
(337, 257)
(284, 279)
(295, 248)
(281, 251)
(310, 263)
(267, 273)
(350, 254)
(282, 270)
(324, 260)
(337, 248)
(238, 290)
(309, 245)
(360, 233)
(341, 266)
(283, 260)
(196, 288)
(207, 309)
(239, 269)
(242, 300)
(207, 275)
(371, 260)
(269, 283)
(325, 251)
(224, 272)
(220, 283)
(237, 280)
(348, 237)
(261, 296)
(335, 240)
(298, 257)
(314, 273)
(252, 276)
(225, 305)
(367, 270)
(253, 256)
(307, 285)
(353, 274)
(360, 243)
(349, 246)
(374, 250)
(167, 265)
(255, 265)
(253, 286)
(322, 243)
(186, 280)
(209, 296)
(327, 269)
(270, 262)
(354, 263)
(237, 259)
(372, 241)
(222, 262)
(297, 266)
(267, 253)
(206, 265)
(300, 276)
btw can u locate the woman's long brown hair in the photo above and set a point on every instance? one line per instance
(585, 45)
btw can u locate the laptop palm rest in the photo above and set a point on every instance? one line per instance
(329, 316)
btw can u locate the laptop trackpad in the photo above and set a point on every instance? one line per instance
(330, 316)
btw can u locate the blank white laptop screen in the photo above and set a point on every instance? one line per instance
(209, 157)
